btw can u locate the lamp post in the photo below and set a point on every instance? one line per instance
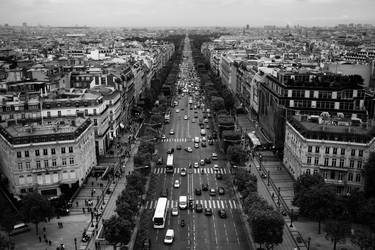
(268, 178)
(75, 243)
(308, 243)
(291, 218)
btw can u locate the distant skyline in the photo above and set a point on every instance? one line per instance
(141, 13)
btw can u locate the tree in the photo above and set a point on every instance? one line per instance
(317, 203)
(146, 147)
(8, 219)
(236, 155)
(125, 210)
(369, 172)
(363, 238)
(305, 182)
(35, 208)
(136, 181)
(117, 230)
(4, 241)
(267, 228)
(337, 231)
(217, 103)
(366, 214)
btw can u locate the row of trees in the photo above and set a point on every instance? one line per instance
(144, 155)
(349, 216)
(266, 223)
(236, 155)
(118, 228)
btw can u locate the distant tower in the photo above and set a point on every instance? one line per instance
(24, 24)
(247, 26)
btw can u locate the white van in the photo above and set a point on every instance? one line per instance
(196, 139)
(182, 202)
(169, 236)
(203, 132)
(19, 228)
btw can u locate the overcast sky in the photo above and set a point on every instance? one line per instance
(186, 12)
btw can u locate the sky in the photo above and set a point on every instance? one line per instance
(148, 13)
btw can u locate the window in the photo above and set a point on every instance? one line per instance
(27, 153)
(59, 113)
(71, 160)
(45, 152)
(343, 151)
(309, 160)
(351, 164)
(63, 150)
(38, 165)
(358, 178)
(340, 176)
(20, 167)
(350, 177)
(28, 166)
(353, 152)
(19, 155)
(309, 149)
(48, 114)
(335, 151)
(327, 150)
(53, 151)
(94, 111)
(46, 163)
(359, 164)
(64, 161)
(360, 153)
(333, 162)
(308, 171)
(70, 149)
(316, 161)
(316, 171)
(54, 163)
(342, 161)
(317, 149)
(37, 152)
(332, 175)
(95, 122)
(326, 161)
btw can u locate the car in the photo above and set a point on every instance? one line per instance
(190, 164)
(212, 192)
(201, 126)
(170, 151)
(201, 162)
(193, 120)
(174, 211)
(196, 116)
(163, 137)
(185, 117)
(209, 137)
(208, 211)
(176, 184)
(216, 167)
(197, 191)
(222, 213)
(196, 145)
(196, 139)
(164, 193)
(196, 165)
(205, 120)
(219, 176)
(204, 186)
(198, 208)
(207, 126)
(169, 236)
(214, 156)
(207, 160)
(214, 135)
(189, 149)
(203, 144)
(264, 175)
(221, 190)
(177, 111)
(183, 172)
(160, 160)
(210, 142)
(203, 139)
(146, 244)
(179, 147)
(171, 132)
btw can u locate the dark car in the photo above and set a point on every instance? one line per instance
(221, 190)
(207, 160)
(179, 147)
(160, 161)
(222, 214)
(197, 191)
(203, 144)
(210, 142)
(164, 193)
(205, 187)
(219, 176)
(209, 137)
(208, 211)
(198, 208)
(214, 135)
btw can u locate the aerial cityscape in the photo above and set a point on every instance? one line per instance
(211, 124)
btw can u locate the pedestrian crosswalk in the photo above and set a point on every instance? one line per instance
(161, 170)
(214, 204)
(181, 140)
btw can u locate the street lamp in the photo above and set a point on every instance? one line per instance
(75, 243)
(308, 243)
(291, 218)
(268, 178)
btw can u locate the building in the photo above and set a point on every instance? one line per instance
(336, 148)
(45, 157)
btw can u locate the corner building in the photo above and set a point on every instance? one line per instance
(46, 157)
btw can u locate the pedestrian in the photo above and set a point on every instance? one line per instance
(44, 229)
(83, 210)
(62, 226)
(49, 242)
(40, 239)
(44, 236)
(46, 241)
(76, 203)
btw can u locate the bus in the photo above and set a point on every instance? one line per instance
(169, 166)
(254, 141)
(160, 213)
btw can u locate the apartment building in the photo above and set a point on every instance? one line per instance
(334, 147)
(44, 157)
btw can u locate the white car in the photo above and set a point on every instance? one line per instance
(171, 132)
(189, 149)
(185, 117)
(177, 111)
(169, 236)
(176, 184)
(214, 156)
(196, 145)
(196, 164)
(163, 137)
(204, 139)
(216, 167)
(183, 172)
(174, 211)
